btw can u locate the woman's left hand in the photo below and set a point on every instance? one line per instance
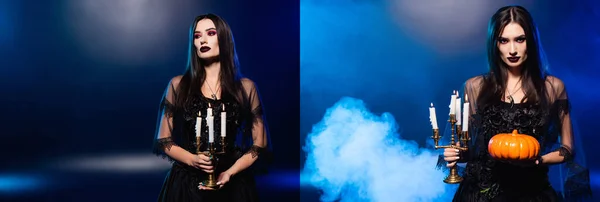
(223, 178)
(221, 181)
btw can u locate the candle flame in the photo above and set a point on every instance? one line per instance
(432, 104)
(466, 97)
(223, 107)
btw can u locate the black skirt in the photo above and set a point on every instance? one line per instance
(505, 182)
(181, 185)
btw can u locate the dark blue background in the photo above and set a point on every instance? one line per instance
(82, 80)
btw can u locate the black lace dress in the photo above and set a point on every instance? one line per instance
(486, 179)
(489, 180)
(181, 183)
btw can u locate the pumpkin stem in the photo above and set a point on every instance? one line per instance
(515, 132)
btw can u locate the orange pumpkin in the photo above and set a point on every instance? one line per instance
(513, 147)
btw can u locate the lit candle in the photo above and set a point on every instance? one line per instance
(199, 124)
(432, 117)
(458, 112)
(210, 122)
(208, 111)
(452, 101)
(465, 120)
(223, 122)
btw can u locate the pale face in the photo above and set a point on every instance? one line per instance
(206, 40)
(512, 45)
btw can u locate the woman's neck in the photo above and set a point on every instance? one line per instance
(212, 72)
(514, 74)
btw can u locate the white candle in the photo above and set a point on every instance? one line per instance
(452, 101)
(458, 112)
(223, 122)
(208, 111)
(432, 117)
(465, 120)
(199, 124)
(210, 123)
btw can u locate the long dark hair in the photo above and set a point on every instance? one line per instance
(534, 71)
(195, 74)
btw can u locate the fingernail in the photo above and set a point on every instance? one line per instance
(457, 150)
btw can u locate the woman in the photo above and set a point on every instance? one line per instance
(211, 81)
(517, 93)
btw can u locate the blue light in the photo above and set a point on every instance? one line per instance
(15, 183)
(595, 180)
(6, 18)
(281, 179)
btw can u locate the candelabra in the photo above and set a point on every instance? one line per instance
(462, 137)
(211, 152)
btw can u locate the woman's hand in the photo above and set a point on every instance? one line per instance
(202, 162)
(221, 181)
(451, 156)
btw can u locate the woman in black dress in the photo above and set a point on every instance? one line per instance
(517, 93)
(212, 82)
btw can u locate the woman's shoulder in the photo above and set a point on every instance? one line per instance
(475, 81)
(174, 82)
(247, 84)
(246, 81)
(555, 87)
(554, 81)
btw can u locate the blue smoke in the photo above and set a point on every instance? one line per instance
(354, 155)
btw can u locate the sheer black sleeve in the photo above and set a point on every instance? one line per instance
(472, 87)
(560, 107)
(261, 147)
(164, 127)
(574, 175)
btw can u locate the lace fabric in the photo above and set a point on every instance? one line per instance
(255, 151)
(162, 144)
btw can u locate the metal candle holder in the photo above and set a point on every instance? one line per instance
(463, 137)
(211, 182)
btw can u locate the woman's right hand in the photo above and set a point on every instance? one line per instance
(451, 156)
(202, 162)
